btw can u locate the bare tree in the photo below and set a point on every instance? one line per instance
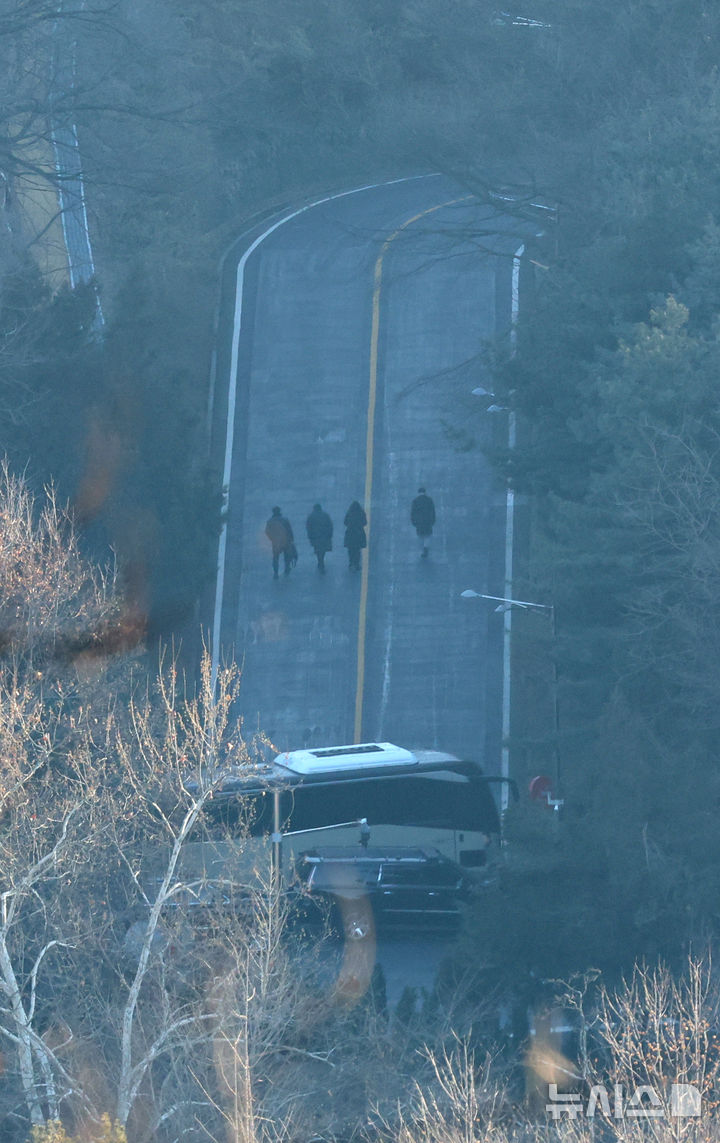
(54, 605)
(460, 1099)
(659, 1031)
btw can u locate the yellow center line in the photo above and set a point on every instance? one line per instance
(370, 451)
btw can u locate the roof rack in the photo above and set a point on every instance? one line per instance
(338, 758)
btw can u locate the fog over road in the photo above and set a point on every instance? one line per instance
(357, 342)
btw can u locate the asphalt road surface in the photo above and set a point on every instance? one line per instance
(350, 338)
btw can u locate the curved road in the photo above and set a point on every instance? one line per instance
(350, 338)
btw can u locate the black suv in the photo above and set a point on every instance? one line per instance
(401, 885)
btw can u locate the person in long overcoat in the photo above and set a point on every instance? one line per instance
(355, 539)
(280, 535)
(422, 515)
(320, 533)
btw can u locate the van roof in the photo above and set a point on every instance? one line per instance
(343, 763)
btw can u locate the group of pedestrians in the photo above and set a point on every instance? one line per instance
(319, 528)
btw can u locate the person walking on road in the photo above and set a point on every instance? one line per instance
(422, 516)
(355, 539)
(280, 535)
(320, 532)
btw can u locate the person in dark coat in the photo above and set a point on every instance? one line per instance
(320, 532)
(355, 539)
(422, 515)
(280, 535)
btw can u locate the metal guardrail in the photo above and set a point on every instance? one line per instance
(68, 163)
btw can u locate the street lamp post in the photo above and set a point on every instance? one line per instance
(505, 605)
(509, 536)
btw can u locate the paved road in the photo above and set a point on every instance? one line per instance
(358, 335)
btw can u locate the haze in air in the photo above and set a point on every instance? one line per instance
(593, 132)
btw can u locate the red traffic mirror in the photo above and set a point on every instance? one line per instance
(540, 789)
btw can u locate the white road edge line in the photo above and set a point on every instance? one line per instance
(232, 397)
